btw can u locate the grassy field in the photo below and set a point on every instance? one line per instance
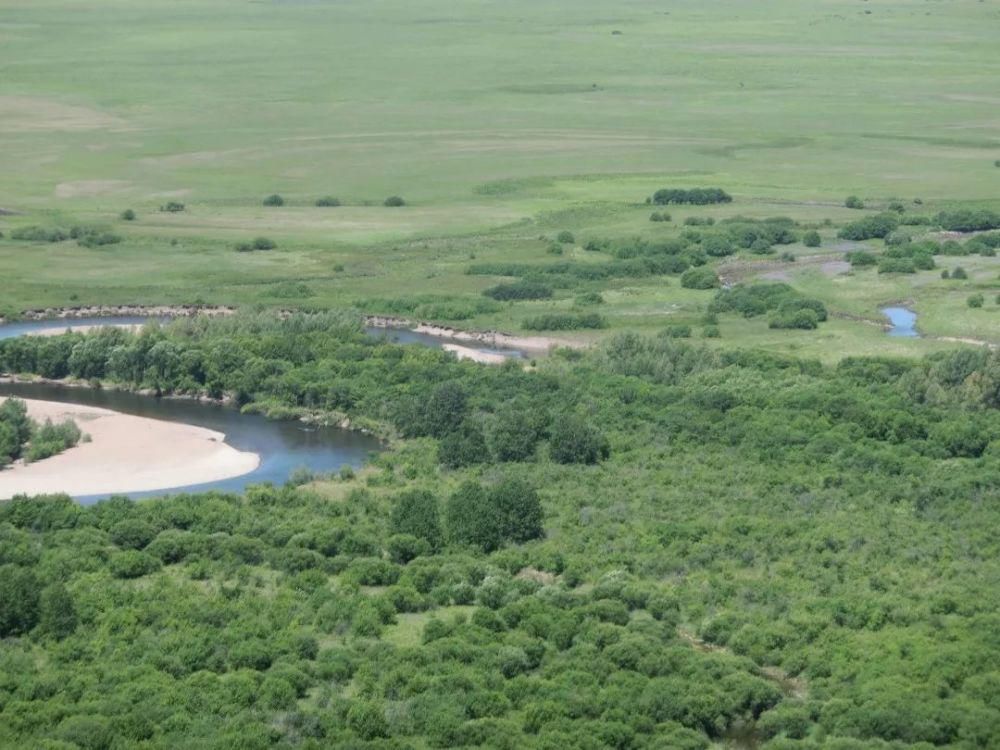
(501, 125)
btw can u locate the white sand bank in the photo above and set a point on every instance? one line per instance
(125, 454)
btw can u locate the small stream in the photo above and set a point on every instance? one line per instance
(903, 322)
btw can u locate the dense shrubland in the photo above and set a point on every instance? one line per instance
(694, 196)
(530, 566)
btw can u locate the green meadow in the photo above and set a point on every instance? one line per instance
(501, 125)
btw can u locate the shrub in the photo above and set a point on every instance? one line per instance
(172, 207)
(564, 322)
(945, 274)
(274, 200)
(327, 201)
(975, 300)
(659, 216)
(803, 318)
(38, 234)
(415, 513)
(959, 273)
(259, 243)
(699, 221)
(519, 290)
(717, 246)
(676, 332)
(898, 207)
(393, 201)
(132, 564)
(565, 238)
(870, 227)
(589, 298)
(695, 196)
(811, 239)
(128, 215)
(888, 264)
(969, 220)
(854, 201)
(576, 441)
(711, 332)
(699, 278)
(861, 259)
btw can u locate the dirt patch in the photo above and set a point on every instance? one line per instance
(87, 188)
(20, 114)
(835, 267)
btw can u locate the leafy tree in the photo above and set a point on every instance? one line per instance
(576, 441)
(57, 613)
(465, 446)
(415, 512)
(367, 720)
(19, 600)
(472, 518)
(520, 510)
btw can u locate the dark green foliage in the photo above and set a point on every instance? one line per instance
(699, 278)
(172, 207)
(968, 220)
(19, 600)
(574, 440)
(489, 517)
(274, 200)
(565, 238)
(519, 290)
(393, 201)
(259, 243)
(564, 322)
(959, 273)
(465, 446)
(870, 227)
(50, 439)
(327, 201)
(975, 300)
(659, 216)
(811, 238)
(854, 201)
(717, 246)
(20, 437)
(699, 221)
(695, 196)
(93, 237)
(127, 215)
(758, 299)
(861, 259)
(415, 512)
(56, 611)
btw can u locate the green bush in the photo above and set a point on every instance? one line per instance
(565, 238)
(274, 200)
(975, 300)
(699, 278)
(659, 216)
(861, 259)
(327, 201)
(695, 196)
(812, 239)
(519, 290)
(564, 322)
(854, 201)
(128, 215)
(172, 207)
(876, 226)
(959, 273)
(393, 201)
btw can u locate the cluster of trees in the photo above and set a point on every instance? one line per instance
(22, 437)
(84, 236)
(789, 308)
(524, 289)
(875, 226)
(694, 196)
(761, 522)
(968, 220)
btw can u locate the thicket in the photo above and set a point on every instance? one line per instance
(519, 290)
(969, 220)
(695, 196)
(876, 226)
(824, 536)
(759, 524)
(22, 437)
(564, 322)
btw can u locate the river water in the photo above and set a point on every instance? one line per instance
(903, 321)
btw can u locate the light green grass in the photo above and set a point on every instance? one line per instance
(500, 124)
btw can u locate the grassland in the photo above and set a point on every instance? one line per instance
(501, 125)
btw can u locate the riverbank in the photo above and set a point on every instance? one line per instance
(125, 454)
(493, 339)
(123, 311)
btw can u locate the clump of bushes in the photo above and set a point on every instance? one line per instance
(565, 238)
(327, 201)
(274, 200)
(959, 273)
(969, 220)
(589, 298)
(699, 278)
(699, 221)
(676, 332)
(695, 196)
(259, 243)
(854, 201)
(659, 216)
(861, 259)
(975, 301)
(91, 237)
(127, 215)
(393, 201)
(757, 299)
(519, 290)
(564, 322)
(870, 227)
(39, 234)
(172, 207)
(51, 439)
(812, 239)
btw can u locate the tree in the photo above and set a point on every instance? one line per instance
(576, 441)
(513, 434)
(367, 719)
(57, 613)
(274, 200)
(19, 600)
(519, 508)
(472, 518)
(465, 446)
(416, 513)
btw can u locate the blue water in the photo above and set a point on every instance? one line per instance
(283, 446)
(903, 321)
